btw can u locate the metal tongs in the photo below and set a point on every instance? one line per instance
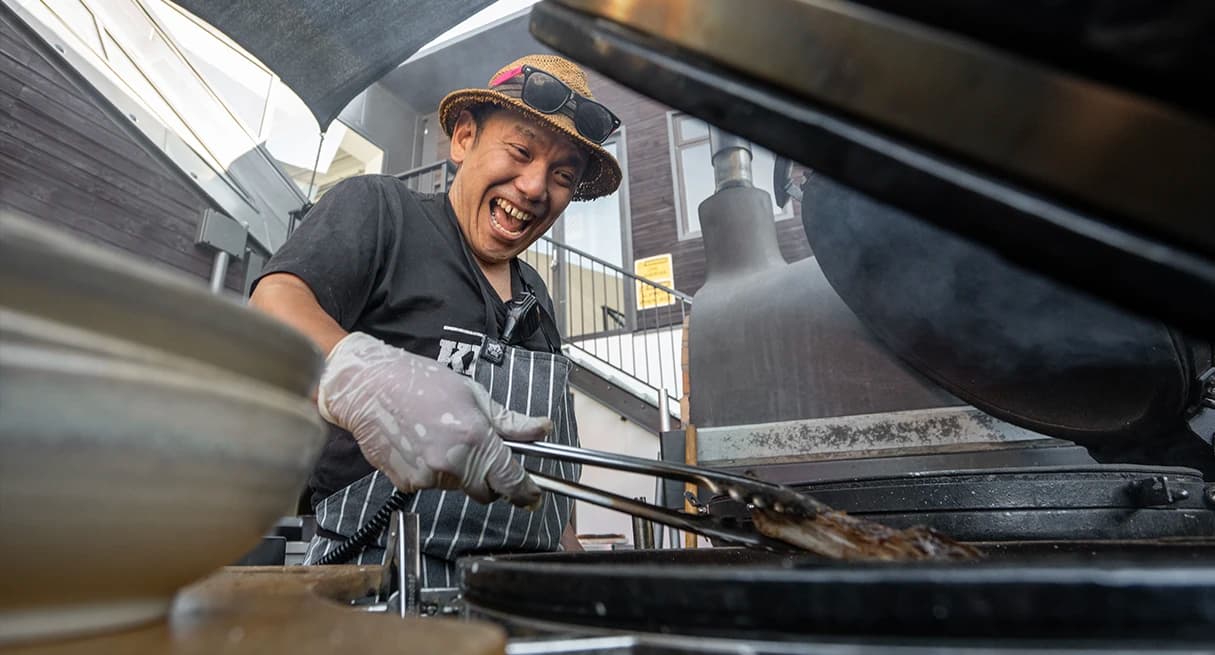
(755, 493)
(782, 519)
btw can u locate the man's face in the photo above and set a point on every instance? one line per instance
(515, 179)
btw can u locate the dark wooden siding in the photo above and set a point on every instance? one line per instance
(67, 158)
(652, 189)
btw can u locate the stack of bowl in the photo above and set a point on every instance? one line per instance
(149, 432)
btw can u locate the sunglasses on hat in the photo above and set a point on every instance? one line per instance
(548, 95)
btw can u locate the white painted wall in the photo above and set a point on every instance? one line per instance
(388, 123)
(600, 428)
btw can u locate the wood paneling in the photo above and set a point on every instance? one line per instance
(67, 157)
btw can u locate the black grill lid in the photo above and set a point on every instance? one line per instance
(1008, 340)
(1027, 156)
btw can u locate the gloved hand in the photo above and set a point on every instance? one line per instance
(424, 425)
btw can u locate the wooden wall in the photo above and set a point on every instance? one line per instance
(69, 159)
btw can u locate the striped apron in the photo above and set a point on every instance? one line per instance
(452, 524)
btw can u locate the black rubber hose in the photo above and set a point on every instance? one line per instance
(366, 534)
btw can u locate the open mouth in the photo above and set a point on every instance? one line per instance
(508, 219)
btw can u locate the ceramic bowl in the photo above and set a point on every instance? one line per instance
(149, 433)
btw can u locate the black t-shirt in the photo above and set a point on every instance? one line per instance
(392, 263)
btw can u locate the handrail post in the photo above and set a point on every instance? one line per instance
(561, 286)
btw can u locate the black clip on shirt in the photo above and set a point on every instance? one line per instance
(518, 311)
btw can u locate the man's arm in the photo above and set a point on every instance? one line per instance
(360, 391)
(290, 300)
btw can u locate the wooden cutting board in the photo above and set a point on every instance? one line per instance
(298, 610)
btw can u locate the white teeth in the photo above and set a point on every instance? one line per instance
(514, 211)
(504, 228)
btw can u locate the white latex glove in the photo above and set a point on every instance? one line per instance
(424, 425)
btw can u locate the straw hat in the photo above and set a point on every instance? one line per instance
(602, 175)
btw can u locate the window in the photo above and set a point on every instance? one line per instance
(343, 153)
(597, 227)
(80, 21)
(595, 295)
(149, 62)
(591, 298)
(238, 78)
(692, 165)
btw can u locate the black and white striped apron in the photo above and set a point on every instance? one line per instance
(452, 524)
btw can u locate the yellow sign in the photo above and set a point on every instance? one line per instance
(660, 270)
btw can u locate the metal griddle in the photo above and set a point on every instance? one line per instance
(1058, 503)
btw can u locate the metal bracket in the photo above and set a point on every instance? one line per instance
(400, 591)
(223, 233)
(783, 186)
(701, 508)
(1203, 420)
(403, 566)
(1203, 424)
(442, 601)
(1158, 490)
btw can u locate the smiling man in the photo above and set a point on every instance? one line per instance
(440, 342)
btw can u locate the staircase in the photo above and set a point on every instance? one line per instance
(624, 333)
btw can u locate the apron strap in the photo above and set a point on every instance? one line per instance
(493, 350)
(548, 327)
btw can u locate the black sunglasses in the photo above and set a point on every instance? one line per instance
(548, 95)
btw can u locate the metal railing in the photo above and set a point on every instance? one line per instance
(431, 178)
(630, 326)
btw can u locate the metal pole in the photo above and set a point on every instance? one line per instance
(731, 159)
(643, 531)
(409, 562)
(315, 164)
(219, 271)
(664, 411)
(660, 489)
(660, 500)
